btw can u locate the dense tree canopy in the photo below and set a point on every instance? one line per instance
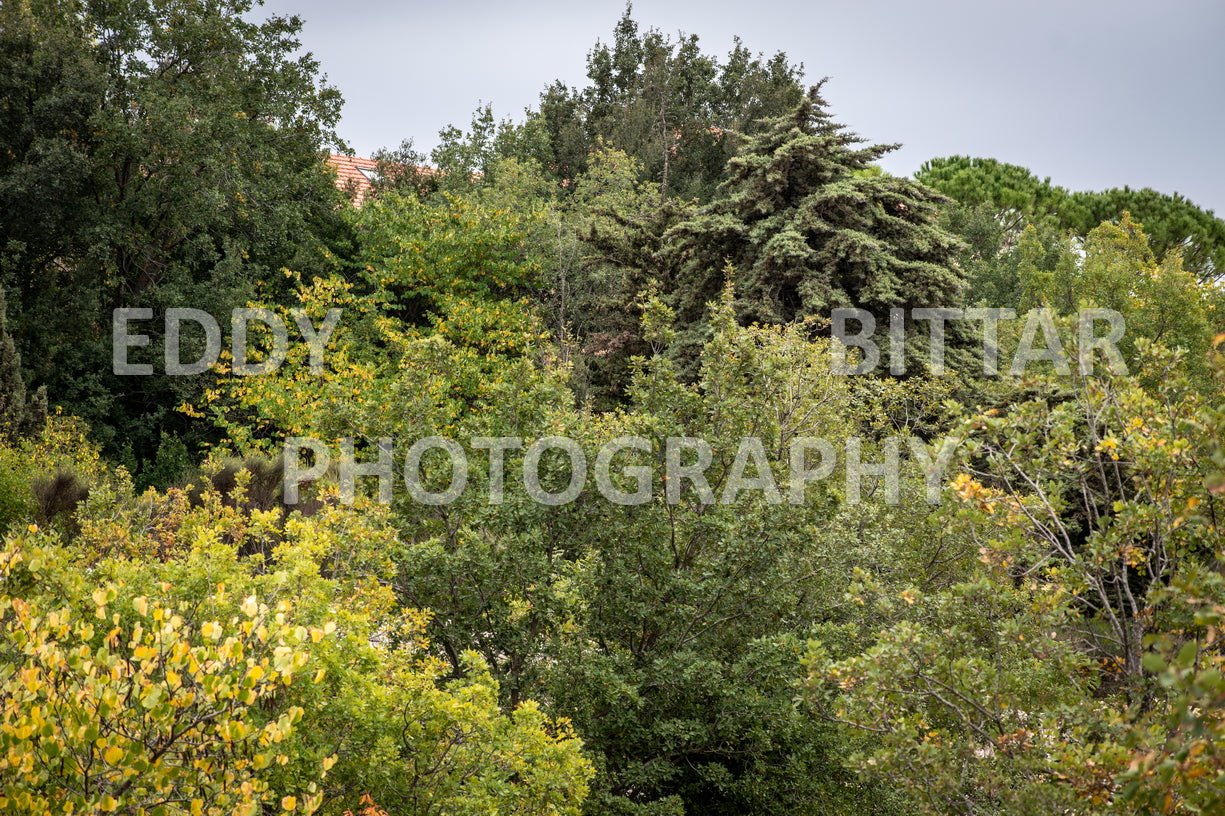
(672, 108)
(155, 155)
(806, 230)
(564, 504)
(1016, 197)
(677, 112)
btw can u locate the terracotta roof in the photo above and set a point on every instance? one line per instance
(349, 176)
(357, 185)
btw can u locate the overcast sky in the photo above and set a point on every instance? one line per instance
(1093, 94)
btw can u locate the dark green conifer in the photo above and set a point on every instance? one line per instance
(809, 225)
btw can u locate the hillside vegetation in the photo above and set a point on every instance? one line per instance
(654, 454)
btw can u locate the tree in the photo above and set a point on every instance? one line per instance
(674, 110)
(154, 709)
(17, 415)
(436, 324)
(1013, 194)
(201, 654)
(1016, 197)
(667, 633)
(678, 664)
(1113, 267)
(33, 467)
(606, 245)
(1173, 224)
(806, 233)
(1076, 663)
(157, 156)
(968, 697)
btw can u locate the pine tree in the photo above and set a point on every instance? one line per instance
(1016, 197)
(809, 225)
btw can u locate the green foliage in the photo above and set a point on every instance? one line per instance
(1016, 197)
(473, 157)
(1075, 667)
(437, 326)
(609, 236)
(1115, 268)
(157, 155)
(1173, 224)
(149, 665)
(668, 633)
(16, 496)
(679, 666)
(806, 233)
(33, 463)
(18, 416)
(675, 111)
(427, 742)
(968, 688)
(1175, 762)
(170, 463)
(671, 107)
(1112, 267)
(751, 640)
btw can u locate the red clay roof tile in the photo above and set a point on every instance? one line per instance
(349, 176)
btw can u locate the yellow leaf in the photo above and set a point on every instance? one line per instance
(113, 755)
(289, 803)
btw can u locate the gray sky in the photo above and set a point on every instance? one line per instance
(1093, 94)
